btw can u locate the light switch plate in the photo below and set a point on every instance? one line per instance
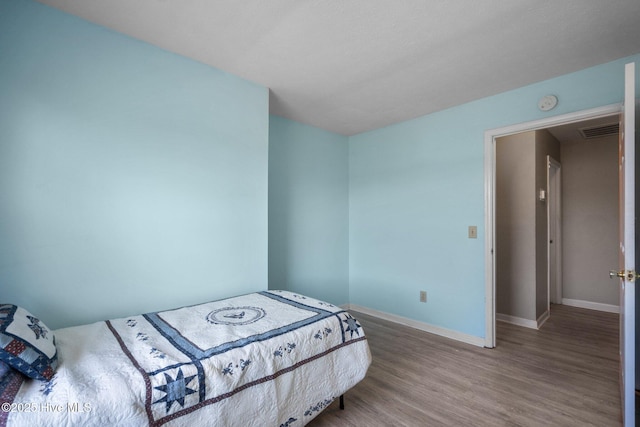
(473, 232)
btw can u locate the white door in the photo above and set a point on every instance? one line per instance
(626, 271)
(554, 233)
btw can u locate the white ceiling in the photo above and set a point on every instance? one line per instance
(350, 66)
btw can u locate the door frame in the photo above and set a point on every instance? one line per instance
(490, 190)
(554, 216)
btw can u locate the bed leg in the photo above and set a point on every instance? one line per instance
(342, 401)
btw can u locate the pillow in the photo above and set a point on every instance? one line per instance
(26, 344)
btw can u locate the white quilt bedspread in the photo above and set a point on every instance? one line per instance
(272, 358)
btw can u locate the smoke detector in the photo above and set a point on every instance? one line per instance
(548, 102)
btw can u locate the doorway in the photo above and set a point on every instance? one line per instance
(490, 187)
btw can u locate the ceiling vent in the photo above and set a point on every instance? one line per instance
(600, 131)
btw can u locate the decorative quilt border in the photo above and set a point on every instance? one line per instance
(10, 382)
(191, 376)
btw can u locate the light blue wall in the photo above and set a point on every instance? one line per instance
(308, 211)
(416, 186)
(131, 179)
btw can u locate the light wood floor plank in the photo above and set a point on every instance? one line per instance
(565, 374)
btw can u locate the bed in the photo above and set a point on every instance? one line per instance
(272, 358)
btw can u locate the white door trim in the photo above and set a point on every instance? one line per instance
(490, 189)
(627, 248)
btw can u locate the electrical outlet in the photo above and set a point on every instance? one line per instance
(473, 232)
(423, 296)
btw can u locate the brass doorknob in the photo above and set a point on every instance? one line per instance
(616, 273)
(630, 275)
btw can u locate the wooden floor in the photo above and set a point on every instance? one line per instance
(565, 374)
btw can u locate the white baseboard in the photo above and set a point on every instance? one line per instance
(520, 321)
(609, 308)
(436, 330)
(542, 319)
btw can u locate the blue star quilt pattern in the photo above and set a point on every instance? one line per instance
(267, 358)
